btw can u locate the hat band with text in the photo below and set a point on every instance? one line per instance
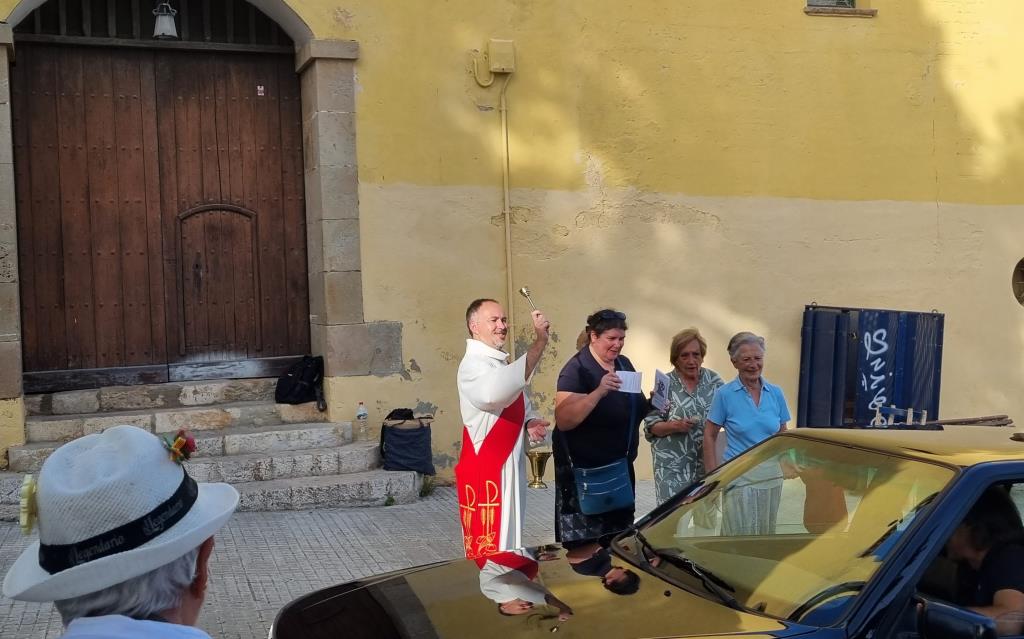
(54, 558)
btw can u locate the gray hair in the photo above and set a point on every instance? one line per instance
(156, 591)
(742, 338)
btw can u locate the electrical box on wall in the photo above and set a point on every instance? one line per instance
(501, 55)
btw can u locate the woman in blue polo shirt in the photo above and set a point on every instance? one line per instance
(750, 410)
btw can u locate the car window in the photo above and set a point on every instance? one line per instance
(797, 526)
(984, 554)
(1016, 491)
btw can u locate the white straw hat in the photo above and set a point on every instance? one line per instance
(113, 506)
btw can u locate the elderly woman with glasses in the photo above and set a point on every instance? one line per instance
(677, 434)
(750, 410)
(596, 425)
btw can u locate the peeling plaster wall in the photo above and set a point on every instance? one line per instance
(723, 264)
(717, 163)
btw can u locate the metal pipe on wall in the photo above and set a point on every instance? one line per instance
(504, 66)
(506, 210)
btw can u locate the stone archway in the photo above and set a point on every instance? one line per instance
(277, 10)
(12, 407)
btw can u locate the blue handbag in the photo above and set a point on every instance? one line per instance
(606, 488)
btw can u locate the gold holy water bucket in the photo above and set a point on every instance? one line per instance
(538, 462)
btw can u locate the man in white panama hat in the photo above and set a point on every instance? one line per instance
(125, 537)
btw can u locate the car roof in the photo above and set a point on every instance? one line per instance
(957, 445)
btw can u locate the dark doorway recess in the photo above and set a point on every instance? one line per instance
(161, 220)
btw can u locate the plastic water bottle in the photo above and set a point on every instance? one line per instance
(362, 426)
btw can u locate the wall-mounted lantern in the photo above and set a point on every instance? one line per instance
(164, 28)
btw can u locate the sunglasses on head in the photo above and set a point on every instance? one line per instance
(611, 315)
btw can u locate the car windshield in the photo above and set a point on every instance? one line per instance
(795, 527)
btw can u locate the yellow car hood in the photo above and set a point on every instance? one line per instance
(445, 600)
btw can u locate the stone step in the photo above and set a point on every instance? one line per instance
(151, 396)
(232, 440)
(10, 484)
(10, 488)
(372, 488)
(235, 469)
(60, 428)
(369, 488)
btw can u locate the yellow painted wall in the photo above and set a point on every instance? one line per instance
(725, 97)
(711, 162)
(716, 163)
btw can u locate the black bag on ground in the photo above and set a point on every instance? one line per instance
(302, 382)
(405, 442)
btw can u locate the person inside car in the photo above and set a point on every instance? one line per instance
(990, 542)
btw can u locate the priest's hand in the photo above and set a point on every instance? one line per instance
(537, 429)
(540, 324)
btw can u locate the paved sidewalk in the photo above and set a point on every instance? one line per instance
(264, 560)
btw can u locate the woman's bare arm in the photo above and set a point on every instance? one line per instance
(711, 430)
(669, 427)
(572, 408)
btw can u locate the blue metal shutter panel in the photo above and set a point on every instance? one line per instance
(876, 362)
(853, 359)
(920, 341)
(823, 364)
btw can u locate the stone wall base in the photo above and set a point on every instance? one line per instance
(12, 426)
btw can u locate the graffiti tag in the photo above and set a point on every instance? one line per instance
(876, 345)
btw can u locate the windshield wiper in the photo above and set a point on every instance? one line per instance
(711, 582)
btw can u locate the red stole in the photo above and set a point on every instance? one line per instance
(513, 560)
(478, 477)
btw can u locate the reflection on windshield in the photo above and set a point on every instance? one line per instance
(798, 526)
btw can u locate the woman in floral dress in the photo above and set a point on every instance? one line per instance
(677, 435)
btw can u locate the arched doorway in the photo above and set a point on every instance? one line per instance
(161, 217)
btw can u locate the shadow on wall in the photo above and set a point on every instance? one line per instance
(717, 164)
(729, 181)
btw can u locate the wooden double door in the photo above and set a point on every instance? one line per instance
(161, 221)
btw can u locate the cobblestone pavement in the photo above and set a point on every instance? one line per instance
(264, 560)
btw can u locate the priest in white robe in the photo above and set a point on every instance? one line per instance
(496, 413)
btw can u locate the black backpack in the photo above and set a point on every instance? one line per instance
(302, 382)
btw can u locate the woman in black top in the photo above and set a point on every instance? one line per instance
(596, 425)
